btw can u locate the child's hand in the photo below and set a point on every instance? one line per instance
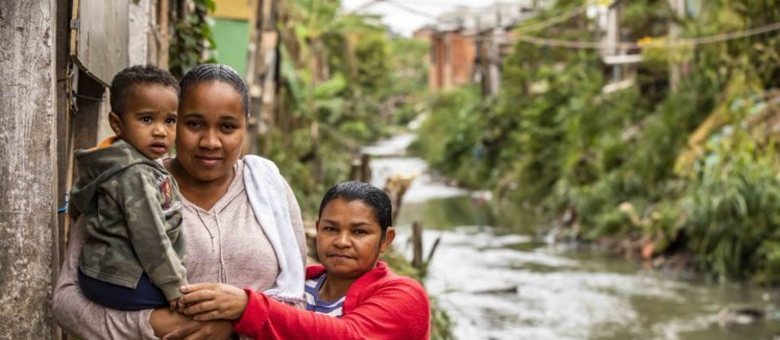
(210, 301)
(174, 305)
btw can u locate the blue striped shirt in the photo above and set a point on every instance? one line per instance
(313, 302)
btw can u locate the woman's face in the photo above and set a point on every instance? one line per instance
(349, 238)
(210, 131)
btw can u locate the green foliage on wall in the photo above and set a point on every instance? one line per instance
(192, 37)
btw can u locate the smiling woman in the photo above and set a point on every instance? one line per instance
(210, 134)
(350, 296)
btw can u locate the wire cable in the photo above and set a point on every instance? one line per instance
(363, 6)
(632, 45)
(404, 7)
(554, 20)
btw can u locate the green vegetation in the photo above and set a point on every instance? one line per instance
(692, 170)
(342, 81)
(192, 36)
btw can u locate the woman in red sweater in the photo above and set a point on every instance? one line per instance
(351, 295)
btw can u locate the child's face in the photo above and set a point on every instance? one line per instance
(149, 119)
(349, 238)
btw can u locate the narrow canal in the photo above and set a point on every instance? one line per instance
(497, 281)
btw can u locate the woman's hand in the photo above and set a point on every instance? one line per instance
(212, 301)
(196, 330)
(163, 321)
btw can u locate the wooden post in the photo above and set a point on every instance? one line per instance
(64, 115)
(354, 170)
(678, 7)
(360, 169)
(365, 168)
(262, 63)
(162, 36)
(612, 38)
(417, 246)
(28, 178)
(395, 187)
(432, 251)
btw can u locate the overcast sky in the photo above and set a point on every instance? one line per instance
(417, 12)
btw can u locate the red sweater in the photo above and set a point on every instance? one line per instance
(378, 305)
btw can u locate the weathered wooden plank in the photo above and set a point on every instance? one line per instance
(140, 28)
(63, 119)
(417, 245)
(102, 41)
(28, 167)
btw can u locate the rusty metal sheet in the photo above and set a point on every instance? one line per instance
(102, 37)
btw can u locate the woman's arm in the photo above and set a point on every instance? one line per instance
(399, 310)
(169, 326)
(81, 317)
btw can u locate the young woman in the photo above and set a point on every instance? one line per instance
(351, 295)
(241, 222)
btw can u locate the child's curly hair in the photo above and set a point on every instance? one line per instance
(125, 80)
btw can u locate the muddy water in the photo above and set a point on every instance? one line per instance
(497, 283)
